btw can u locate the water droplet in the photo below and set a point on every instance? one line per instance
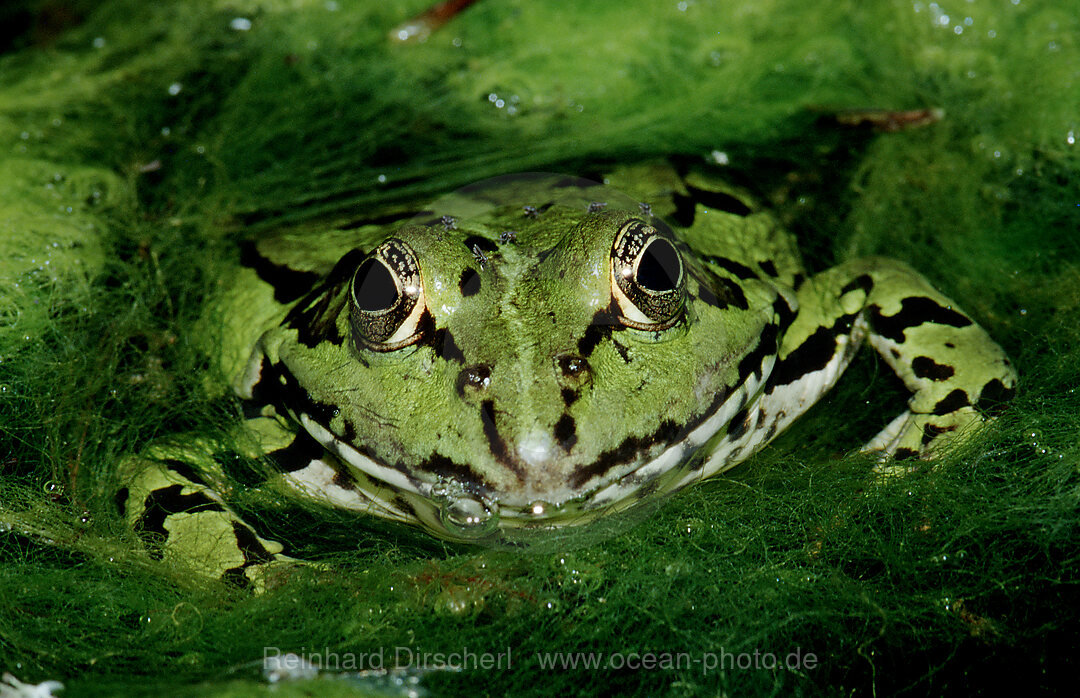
(468, 517)
(240, 24)
(174, 89)
(539, 508)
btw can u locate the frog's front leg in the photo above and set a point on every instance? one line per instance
(957, 374)
(178, 513)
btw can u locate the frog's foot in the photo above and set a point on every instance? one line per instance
(957, 375)
(920, 436)
(182, 520)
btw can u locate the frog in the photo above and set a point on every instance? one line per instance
(534, 353)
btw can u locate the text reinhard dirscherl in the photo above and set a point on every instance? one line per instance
(306, 663)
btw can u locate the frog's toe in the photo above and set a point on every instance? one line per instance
(921, 436)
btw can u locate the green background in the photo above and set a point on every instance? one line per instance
(139, 141)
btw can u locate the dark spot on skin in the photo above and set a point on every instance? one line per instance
(904, 454)
(784, 314)
(184, 470)
(601, 327)
(668, 432)
(914, 311)
(569, 396)
(263, 388)
(718, 291)
(719, 201)
(739, 271)
(403, 504)
(315, 316)
(686, 204)
(925, 367)
(344, 480)
(445, 347)
(251, 409)
(951, 402)
(685, 210)
(298, 454)
(249, 545)
(731, 293)
(994, 397)
(769, 268)
(163, 503)
(950, 345)
(566, 432)
(932, 431)
(496, 444)
(798, 280)
(752, 362)
(738, 425)
(120, 500)
(706, 295)
(288, 284)
(895, 352)
(470, 282)
(814, 354)
(863, 281)
(475, 241)
(289, 397)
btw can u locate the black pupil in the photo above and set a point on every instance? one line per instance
(659, 267)
(374, 286)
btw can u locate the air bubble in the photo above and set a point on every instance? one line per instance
(468, 517)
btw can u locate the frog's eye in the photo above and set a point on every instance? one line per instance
(647, 277)
(387, 298)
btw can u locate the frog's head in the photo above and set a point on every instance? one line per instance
(526, 366)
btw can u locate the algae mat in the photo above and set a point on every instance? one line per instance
(139, 141)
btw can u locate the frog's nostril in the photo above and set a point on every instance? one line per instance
(574, 371)
(473, 380)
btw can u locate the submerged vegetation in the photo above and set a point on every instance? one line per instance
(140, 141)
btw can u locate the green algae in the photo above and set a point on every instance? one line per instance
(144, 139)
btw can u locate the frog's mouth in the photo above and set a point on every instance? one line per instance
(458, 509)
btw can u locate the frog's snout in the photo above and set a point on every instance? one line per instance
(526, 414)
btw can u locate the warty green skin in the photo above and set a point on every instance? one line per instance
(525, 390)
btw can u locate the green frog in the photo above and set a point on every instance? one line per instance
(536, 352)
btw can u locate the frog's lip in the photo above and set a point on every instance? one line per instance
(616, 489)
